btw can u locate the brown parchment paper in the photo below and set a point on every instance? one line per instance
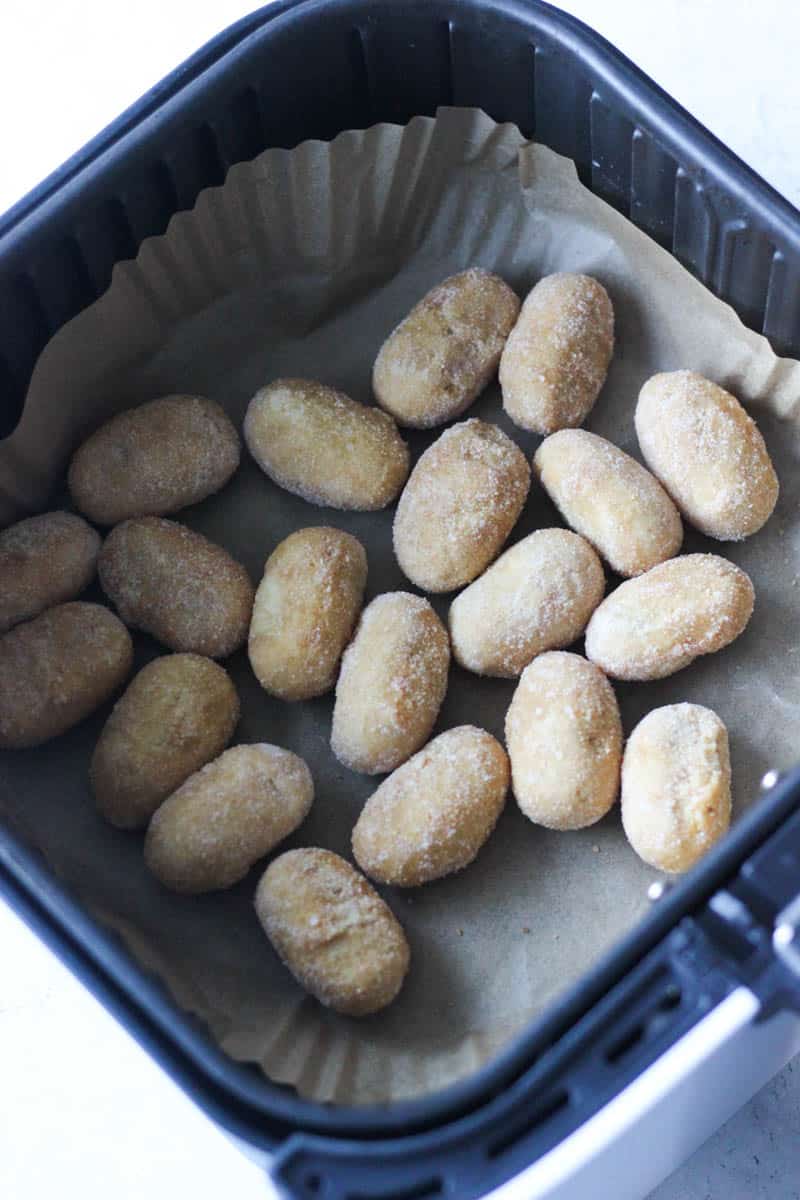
(301, 264)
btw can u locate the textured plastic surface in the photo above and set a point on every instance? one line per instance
(310, 69)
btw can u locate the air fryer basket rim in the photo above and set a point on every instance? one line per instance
(663, 116)
(240, 1097)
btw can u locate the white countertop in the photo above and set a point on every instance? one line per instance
(84, 1113)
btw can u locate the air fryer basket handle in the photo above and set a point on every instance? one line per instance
(658, 1120)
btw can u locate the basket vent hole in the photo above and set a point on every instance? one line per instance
(671, 998)
(624, 1044)
(417, 1191)
(543, 1112)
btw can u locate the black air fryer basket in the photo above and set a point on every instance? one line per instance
(302, 69)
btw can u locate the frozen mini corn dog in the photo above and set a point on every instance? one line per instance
(557, 355)
(176, 585)
(57, 669)
(208, 834)
(391, 685)
(609, 498)
(44, 560)
(708, 453)
(443, 354)
(433, 814)
(564, 738)
(305, 610)
(658, 623)
(318, 443)
(177, 714)
(460, 504)
(538, 596)
(154, 459)
(676, 786)
(341, 942)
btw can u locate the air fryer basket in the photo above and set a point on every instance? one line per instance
(311, 68)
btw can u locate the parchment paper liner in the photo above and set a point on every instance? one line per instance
(300, 265)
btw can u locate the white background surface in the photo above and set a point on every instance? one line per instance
(84, 1114)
